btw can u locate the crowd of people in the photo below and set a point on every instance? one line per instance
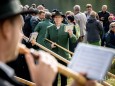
(96, 28)
(83, 22)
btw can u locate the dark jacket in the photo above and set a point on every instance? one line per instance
(34, 21)
(27, 29)
(7, 76)
(94, 30)
(105, 15)
(106, 28)
(110, 39)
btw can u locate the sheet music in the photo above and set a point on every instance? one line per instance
(67, 27)
(33, 36)
(92, 60)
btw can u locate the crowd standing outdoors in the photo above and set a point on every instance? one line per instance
(88, 27)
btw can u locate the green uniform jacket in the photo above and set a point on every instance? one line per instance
(60, 37)
(41, 29)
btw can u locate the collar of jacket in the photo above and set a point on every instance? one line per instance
(59, 26)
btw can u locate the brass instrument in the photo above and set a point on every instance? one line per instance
(61, 68)
(60, 46)
(109, 74)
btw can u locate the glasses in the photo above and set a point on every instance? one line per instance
(112, 26)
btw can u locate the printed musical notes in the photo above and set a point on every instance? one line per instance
(92, 60)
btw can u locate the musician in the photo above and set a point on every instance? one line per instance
(57, 34)
(41, 28)
(11, 23)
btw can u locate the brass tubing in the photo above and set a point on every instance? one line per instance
(60, 46)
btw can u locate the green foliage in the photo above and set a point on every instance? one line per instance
(112, 70)
(65, 5)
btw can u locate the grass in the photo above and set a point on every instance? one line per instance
(112, 70)
(69, 81)
(111, 81)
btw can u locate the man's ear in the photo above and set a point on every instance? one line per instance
(6, 30)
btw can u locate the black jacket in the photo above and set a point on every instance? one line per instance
(94, 30)
(105, 15)
(110, 39)
(7, 76)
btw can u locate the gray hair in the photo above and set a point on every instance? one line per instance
(48, 15)
(77, 8)
(104, 6)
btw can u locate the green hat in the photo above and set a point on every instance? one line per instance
(10, 8)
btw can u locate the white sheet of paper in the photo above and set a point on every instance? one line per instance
(68, 27)
(92, 60)
(33, 36)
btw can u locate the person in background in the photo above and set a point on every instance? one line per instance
(94, 30)
(34, 19)
(110, 20)
(81, 20)
(110, 36)
(76, 31)
(26, 7)
(41, 15)
(68, 13)
(33, 6)
(103, 15)
(57, 34)
(41, 28)
(40, 7)
(27, 28)
(46, 10)
(89, 9)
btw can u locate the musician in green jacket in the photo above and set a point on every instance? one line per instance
(57, 34)
(41, 28)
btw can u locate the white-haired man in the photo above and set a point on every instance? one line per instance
(103, 16)
(81, 20)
